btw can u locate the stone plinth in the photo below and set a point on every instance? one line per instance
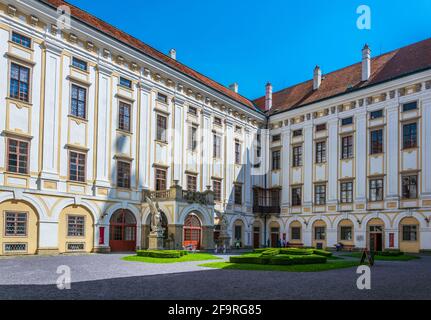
(155, 242)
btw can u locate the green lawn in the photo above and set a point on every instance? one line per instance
(292, 268)
(403, 257)
(185, 258)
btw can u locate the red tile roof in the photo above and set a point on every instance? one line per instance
(146, 49)
(392, 65)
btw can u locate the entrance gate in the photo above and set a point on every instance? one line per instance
(122, 232)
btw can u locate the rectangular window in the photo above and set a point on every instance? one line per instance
(15, 224)
(376, 190)
(347, 147)
(346, 189)
(346, 233)
(79, 101)
(217, 121)
(410, 233)
(217, 146)
(193, 110)
(75, 226)
(376, 114)
(297, 156)
(276, 138)
(410, 137)
(124, 116)
(17, 156)
(410, 187)
(191, 183)
(160, 179)
(347, 121)
(296, 196)
(193, 138)
(320, 194)
(376, 143)
(297, 133)
(162, 97)
(125, 83)
(296, 233)
(217, 190)
(80, 64)
(76, 166)
(19, 82)
(161, 128)
(321, 127)
(123, 174)
(238, 194)
(237, 152)
(21, 40)
(319, 233)
(321, 152)
(276, 159)
(238, 129)
(410, 106)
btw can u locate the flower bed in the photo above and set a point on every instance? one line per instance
(283, 256)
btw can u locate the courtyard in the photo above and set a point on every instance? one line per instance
(109, 276)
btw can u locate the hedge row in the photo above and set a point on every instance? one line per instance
(161, 253)
(292, 251)
(281, 259)
(389, 253)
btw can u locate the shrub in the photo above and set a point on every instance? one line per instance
(389, 253)
(270, 252)
(281, 259)
(296, 251)
(250, 258)
(161, 253)
(309, 259)
(324, 253)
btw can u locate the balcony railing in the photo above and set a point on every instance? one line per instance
(176, 193)
(266, 201)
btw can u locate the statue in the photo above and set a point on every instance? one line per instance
(156, 217)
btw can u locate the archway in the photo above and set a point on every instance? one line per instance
(238, 233)
(122, 231)
(409, 235)
(375, 234)
(192, 231)
(274, 228)
(319, 234)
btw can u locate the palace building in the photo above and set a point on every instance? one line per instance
(93, 121)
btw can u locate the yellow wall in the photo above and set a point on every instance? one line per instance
(319, 223)
(88, 238)
(32, 225)
(409, 246)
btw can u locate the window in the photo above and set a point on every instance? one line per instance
(124, 116)
(79, 100)
(297, 156)
(346, 233)
(76, 166)
(297, 133)
(17, 156)
(296, 196)
(237, 152)
(347, 121)
(238, 129)
(238, 232)
(276, 159)
(376, 114)
(346, 190)
(347, 147)
(80, 64)
(295, 233)
(321, 152)
(191, 183)
(217, 146)
(162, 97)
(125, 83)
(193, 111)
(376, 143)
(217, 121)
(75, 226)
(410, 187)
(320, 194)
(217, 190)
(160, 179)
(193, 138)
(15, 224)
(410, 233)
(19, 82)
(238, 194)
(123, 174)
(21, 40)
(321, 127)
(276, 138)
(376, 190)
(410, 106)
(410, 135)
(161, 128)
(319, 233)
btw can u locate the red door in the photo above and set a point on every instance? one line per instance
(192, 231)
(122, 232)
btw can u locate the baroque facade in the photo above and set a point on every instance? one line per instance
(93, 121)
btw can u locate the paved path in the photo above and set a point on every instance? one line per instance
(109, 277)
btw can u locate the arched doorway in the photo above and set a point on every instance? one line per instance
(192, 231)
(275, 234)
(375, 233)
(122, 235)
(319, 234)
(409, 235)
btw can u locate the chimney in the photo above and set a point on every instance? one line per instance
(234, 87)
(317, 78)
(366, 63)
(268, 97)
(173, 54)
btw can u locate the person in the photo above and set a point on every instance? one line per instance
(278, 243)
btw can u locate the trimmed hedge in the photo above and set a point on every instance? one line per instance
(389, 253)
(280, 259)
(161, 253)
(292, 251)
(321, 252)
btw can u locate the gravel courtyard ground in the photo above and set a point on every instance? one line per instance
(109, 277)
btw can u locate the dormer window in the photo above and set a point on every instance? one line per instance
(80, 64)
(347, 121)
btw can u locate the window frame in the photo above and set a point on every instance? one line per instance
(404, 109)
(160, 179)
(238, 195)
(161, 97)
(77, 166)
(347, 151)
(238, 152)
(373, 186)
(161, 131)
(410, 176)
(19, 82)
(217, 146)
(77, 62)
(120, 121)
(343, 233)
(18, 154)
(321, 152)
(346, 121)
(346, 193)
(322, 234)
(217, 191)
(276, 160)
(85, 101)
(190, 183)
(296, 200)
(376, 114)
(298, 231)
(15, 213)
(410, 232)
(412, 138)
(318, 196)
(376, 146)
(68, 231)
(128, 81)
(297, 154)
(127, 179)
(20, 42)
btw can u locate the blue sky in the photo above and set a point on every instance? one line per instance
(252, 42)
